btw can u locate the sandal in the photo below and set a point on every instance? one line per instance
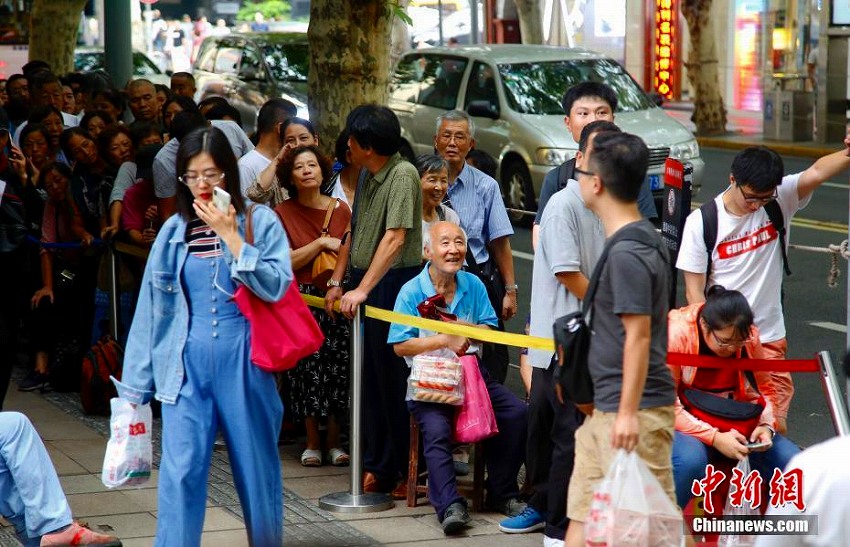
(338, 457)
(311, 458)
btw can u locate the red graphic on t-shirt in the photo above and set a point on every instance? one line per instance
(750, 242)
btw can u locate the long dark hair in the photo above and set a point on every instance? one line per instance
(724, 308)
(212, 141)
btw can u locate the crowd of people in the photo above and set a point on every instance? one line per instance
(82, 162)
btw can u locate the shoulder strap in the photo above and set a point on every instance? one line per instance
(566, 172)
(331, 206)
(774, 213)
(249, 224)
(709, 231)
(441, 213)
(632, 234)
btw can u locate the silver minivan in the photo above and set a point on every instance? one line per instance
(514, 93)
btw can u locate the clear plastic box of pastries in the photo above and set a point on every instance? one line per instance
(436, 379)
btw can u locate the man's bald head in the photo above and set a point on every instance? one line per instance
(447, 248)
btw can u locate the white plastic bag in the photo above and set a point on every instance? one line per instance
(436, 377)
(734, 540)
(129, 454)
(629, 507)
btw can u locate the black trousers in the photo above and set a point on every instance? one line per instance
(550, 450)
(386, 421)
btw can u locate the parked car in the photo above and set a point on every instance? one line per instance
(513, 93)
(89, 59)
(248, 69)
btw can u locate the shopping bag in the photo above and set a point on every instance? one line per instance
(129, 454)
(629, 507)
(282, 332)
(475, 419)
(745, 510)
(436, 377)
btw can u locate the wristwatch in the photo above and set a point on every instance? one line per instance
(509, 288)
(769, 428)
(334, 283)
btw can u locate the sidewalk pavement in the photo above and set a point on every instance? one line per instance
(745, 129)
(76, 444)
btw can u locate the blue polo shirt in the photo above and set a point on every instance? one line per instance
(477, 199)
(470, 303)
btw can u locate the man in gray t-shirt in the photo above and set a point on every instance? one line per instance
(633, 390)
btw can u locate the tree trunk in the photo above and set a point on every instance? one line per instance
(709, 111)
(53, 32)
(530, 20)
(349, 60)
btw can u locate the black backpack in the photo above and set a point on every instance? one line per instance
(709, 230)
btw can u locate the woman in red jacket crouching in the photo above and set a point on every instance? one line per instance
(722, 326)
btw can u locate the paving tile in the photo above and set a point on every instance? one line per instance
(67, 428)
(126, 525)
(138, 542)
(398, 529)
(217, 518)
(315, 487)
(146, 498)
(102, 503)
(86, 453)
(80, 484)
(224, 538)
(400, 510)
(62, 463)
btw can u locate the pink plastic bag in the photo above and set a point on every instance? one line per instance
(475, 420)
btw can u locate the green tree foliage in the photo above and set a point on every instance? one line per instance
(271, 9)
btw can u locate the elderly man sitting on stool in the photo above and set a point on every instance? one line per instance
(466, 298)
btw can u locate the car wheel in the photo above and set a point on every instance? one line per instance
(518, 192)
(407, 152)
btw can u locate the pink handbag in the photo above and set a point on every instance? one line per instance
(282, 332)
(475, 420)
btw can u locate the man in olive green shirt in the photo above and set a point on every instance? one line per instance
(386, 252)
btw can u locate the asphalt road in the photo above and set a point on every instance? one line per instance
(816, 315)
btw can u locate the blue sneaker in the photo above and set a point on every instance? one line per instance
(527, 521)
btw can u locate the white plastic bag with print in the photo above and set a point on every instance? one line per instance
(630, 508)
(129, 453)
(734, 540)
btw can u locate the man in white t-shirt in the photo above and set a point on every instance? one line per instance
(746, 256)
(271, 115)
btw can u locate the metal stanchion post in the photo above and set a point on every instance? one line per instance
(355, 501)
(835, 399)
(113, 289)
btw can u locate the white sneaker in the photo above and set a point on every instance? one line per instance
(552, 542)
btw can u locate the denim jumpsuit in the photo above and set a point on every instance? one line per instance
(198, 340)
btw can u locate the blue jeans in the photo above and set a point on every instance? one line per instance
(690, 456)
(31, 497)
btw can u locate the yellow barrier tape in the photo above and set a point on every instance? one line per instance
(485, 335)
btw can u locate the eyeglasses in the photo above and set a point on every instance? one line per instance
(758, 199)
(193, 180)
(583, 172)
(729, 342)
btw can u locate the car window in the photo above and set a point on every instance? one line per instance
(88, 61)
(288, 62)
(251, 67)
(482, 85)
(537, 87)
(406, 78)
(206, 57)
(441, 76)
(227, 60)
(142, 66)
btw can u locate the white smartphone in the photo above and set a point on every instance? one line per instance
(221, 200)
(758, 444)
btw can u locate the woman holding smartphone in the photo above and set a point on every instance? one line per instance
(722, 326)
(189, 346)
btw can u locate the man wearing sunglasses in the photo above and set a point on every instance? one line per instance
(747, 255)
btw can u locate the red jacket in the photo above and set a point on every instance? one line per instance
(683, 337)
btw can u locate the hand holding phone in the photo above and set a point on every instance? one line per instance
(221, 200)
(759, 444)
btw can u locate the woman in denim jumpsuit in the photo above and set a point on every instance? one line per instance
(191, 346)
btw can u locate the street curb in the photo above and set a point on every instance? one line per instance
(781, 148)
